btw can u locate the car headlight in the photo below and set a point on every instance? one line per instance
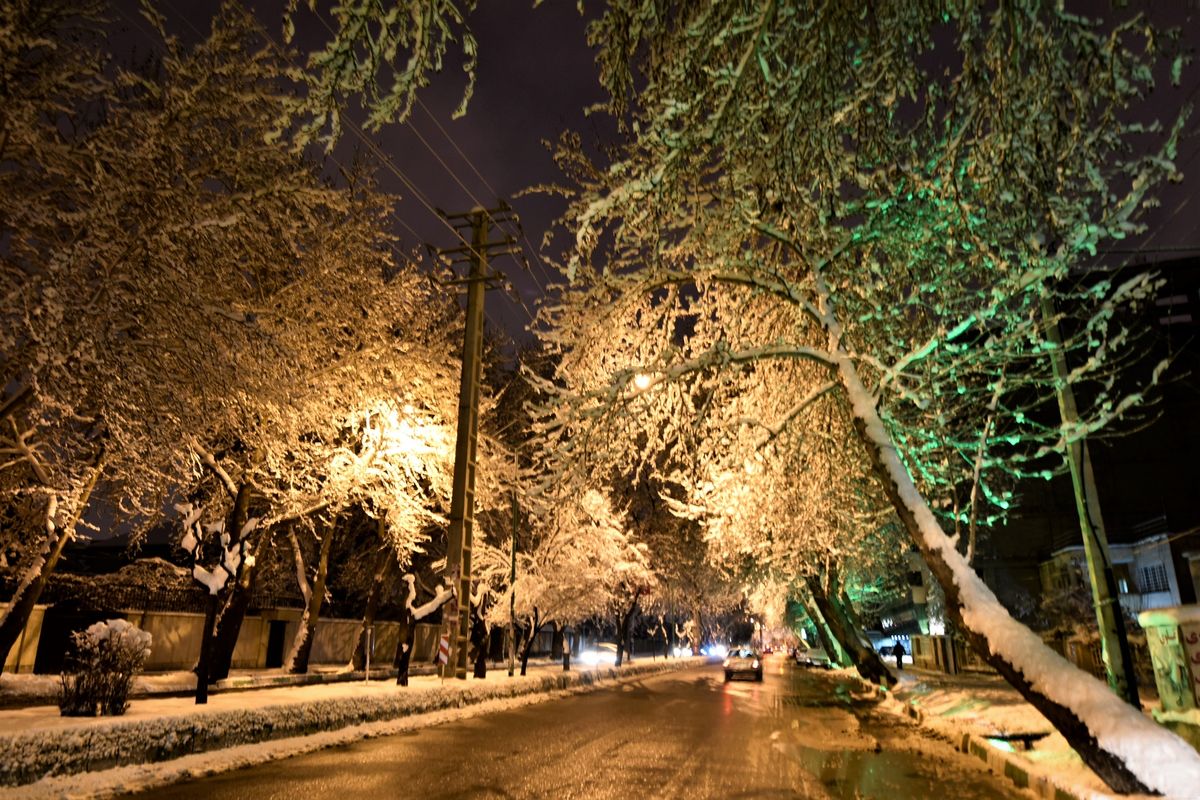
(755, 663)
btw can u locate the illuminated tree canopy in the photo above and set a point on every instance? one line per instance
(886, 207)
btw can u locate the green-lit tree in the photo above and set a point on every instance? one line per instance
(886, 196)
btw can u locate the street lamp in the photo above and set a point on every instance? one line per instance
(641, 381)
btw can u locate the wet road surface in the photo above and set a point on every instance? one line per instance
(801, 733)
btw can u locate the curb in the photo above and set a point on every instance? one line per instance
(26, 758)
(1007, 765)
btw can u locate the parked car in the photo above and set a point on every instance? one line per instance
(809, 656)
(743, 661)
(602, 654)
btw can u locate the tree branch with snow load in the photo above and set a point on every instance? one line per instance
(890, 229)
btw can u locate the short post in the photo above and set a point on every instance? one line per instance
(368, 645)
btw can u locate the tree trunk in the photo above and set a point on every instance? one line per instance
(478, 642)
(865, 659)
(832, 647)
(527, 646)
(556, 642)
(229, 622)
(302, 647)
(203, 673)
(385, 563)
(624, 651)
(1010, 648)
(404, 645)
(16, 616)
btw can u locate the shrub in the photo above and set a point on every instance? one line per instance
(107, 657)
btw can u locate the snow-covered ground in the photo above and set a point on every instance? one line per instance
(984, 705)
(235, 729)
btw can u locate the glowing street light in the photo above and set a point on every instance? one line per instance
(641, 381)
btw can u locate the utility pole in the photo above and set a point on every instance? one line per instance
(456, 619)
(512, 590)
(1114, 643)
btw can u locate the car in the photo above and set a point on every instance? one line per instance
(603, 654)
(743, 661)
(809, 656)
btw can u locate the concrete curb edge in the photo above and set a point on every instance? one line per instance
(1007, 765)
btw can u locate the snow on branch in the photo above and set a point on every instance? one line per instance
(210, 461)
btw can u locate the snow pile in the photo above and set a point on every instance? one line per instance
(105, 744)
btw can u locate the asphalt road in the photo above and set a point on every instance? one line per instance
(800, 733)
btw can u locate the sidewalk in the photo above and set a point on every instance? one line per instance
(971, 709)
(164, 738)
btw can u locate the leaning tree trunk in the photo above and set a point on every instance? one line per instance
(831, 645)
(302, 647)
(1126, 750)
(229, 622)
(385, 563)
(404, 646)
(29, 590)
(865, 660)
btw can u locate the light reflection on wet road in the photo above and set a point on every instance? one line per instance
(687, 734)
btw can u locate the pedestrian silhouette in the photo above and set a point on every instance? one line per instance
(899, 652)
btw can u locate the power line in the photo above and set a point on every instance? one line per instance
(446, 134)
(372, 146)
(438, 157)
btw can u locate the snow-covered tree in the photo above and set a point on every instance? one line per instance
(888, 198)
(209, 313)
(363, 59)
(577, 561)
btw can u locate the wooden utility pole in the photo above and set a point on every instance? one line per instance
(1114, 643)
(456, 619)
(512, 587)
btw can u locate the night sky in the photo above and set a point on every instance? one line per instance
(535, 77)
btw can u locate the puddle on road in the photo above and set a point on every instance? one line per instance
(887, 771)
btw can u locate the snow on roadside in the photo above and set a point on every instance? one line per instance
(168, 729)
(142, 777)
(1158, 758)
(984, 705)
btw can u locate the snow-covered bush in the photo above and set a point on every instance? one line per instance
(107, 657)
